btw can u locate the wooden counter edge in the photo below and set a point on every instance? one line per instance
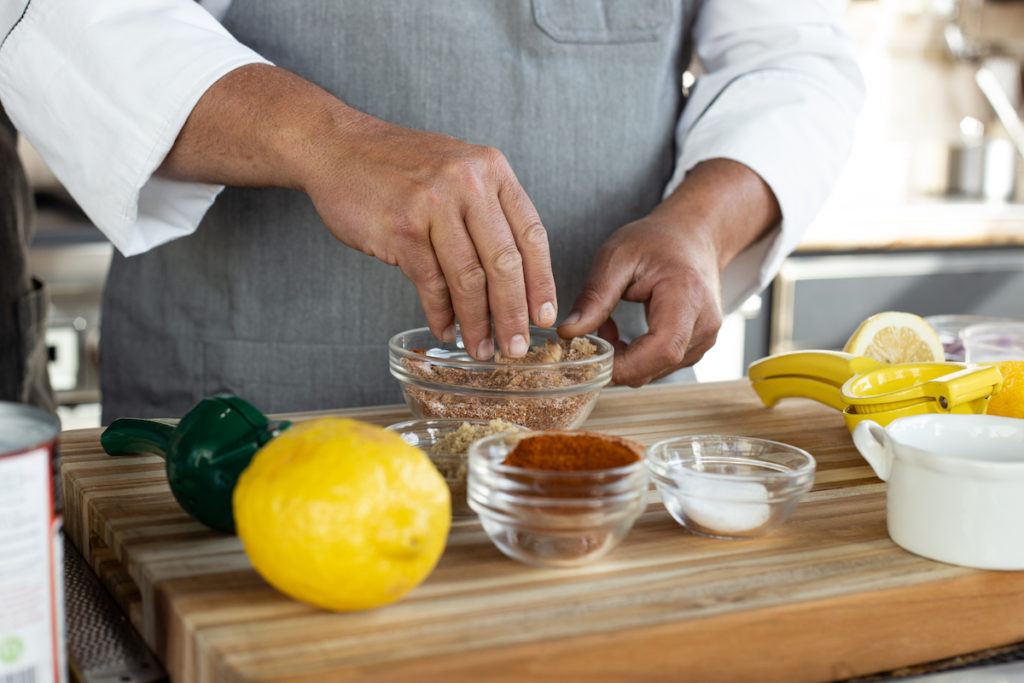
(731, 650)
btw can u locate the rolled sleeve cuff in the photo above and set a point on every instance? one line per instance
(778, 124)
(101, 91)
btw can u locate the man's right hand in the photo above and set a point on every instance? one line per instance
(451, 215)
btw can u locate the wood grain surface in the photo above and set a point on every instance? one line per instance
(824, 597)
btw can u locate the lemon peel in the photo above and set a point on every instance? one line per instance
(342, 514)
(1009, 400)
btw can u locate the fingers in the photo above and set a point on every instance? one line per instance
(609, 331)
(679, 334)
(503, 294)
(683, 315)
(510, 280)
(532, 242)
(488, 248)
(454, 218)
(425, 273)
(466, 284)
(512, 247)
(605, 285)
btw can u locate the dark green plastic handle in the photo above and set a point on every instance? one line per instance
(204, 453)
(130, 435)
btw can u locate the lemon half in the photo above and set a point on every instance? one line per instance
(895, 337)
(342, 514)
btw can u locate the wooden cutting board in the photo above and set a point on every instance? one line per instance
(826, 596)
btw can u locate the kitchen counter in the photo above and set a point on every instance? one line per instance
(929, 257)
(921, 224)
(826, 596)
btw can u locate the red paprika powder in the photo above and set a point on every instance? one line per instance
(564, 452)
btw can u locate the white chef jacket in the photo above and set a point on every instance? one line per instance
(101, 89)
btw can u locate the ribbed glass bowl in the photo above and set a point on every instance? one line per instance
(729, 486)
(424, 434)
(442, 381)
(551, 518)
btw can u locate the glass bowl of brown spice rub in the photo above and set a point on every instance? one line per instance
(554, 386)
(556, 498)
(446, 443)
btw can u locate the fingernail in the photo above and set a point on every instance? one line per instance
(449, 334)
(572, 318)
(547, 314)
(485, 350)
(518, 347)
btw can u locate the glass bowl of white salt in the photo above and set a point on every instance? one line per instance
(729, 486)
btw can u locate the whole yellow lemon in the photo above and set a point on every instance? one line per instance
(342, 514)
(1009, 400)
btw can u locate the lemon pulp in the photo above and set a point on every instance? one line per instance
(896, 337)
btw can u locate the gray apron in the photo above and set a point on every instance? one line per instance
(24, 301)
(582, 96)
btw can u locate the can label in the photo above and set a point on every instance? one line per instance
(31, 571)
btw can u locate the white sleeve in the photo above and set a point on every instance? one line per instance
(101, 90)
(781, 92)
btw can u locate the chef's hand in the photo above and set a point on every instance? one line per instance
(671, 261)
(451, 215)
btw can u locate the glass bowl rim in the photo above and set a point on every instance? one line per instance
(981, 332)
(605, 353)
(963, 320)
(403, 428)
(658, 467)
(555, 475)
(404, 425)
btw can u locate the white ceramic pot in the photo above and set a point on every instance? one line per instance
(955, 486)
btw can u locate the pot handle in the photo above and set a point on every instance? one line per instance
(875, 444)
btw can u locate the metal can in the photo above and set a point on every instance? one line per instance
(31, 553)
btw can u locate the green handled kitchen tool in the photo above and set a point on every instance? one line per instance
(205, 451)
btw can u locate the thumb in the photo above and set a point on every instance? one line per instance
(602, 291)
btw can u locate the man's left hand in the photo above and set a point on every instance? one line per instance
(671, 262)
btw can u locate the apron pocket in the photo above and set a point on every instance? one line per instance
(603, 21)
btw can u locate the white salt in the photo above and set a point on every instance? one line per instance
(723, 506)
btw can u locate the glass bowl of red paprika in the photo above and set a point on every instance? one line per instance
(554, 386)
(729, 486)
(556, 498)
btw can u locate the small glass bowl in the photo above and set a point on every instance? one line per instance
(454, 468)
(993, 342)
(442, 381)
(948, 327)
(549, 518)
(729, 486)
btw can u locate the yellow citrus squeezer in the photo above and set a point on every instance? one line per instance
(864, 388)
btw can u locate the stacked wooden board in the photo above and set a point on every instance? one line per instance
(826, 596)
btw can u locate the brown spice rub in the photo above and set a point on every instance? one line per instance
(516, 377)
(449, 457)
(458, 442)
(513, 375)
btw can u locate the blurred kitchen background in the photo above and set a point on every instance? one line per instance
(928, 216)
